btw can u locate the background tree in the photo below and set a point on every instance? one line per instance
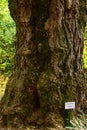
(48, 62)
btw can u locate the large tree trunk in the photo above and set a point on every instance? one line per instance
(48, 62)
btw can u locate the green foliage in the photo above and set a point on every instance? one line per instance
(85, 50)
(3, 82)
(85, 55)
(7, 33)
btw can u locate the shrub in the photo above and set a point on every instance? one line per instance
(7, 34)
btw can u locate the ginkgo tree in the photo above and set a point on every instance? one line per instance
(48, 63)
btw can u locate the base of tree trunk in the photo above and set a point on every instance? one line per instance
(47, 111)
(34, 128)
(36, 122)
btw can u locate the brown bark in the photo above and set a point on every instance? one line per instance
(48, 62)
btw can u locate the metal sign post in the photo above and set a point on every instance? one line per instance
(69, 111)
(69, 106)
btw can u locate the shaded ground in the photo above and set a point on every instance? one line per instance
(33, 129)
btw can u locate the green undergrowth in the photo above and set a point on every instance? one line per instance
(78, 123)
(85, 52)
(7, 36)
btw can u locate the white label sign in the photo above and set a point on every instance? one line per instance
(69, 105)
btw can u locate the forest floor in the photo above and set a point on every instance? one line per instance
(33, 129)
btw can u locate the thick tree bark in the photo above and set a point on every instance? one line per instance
(48, 62)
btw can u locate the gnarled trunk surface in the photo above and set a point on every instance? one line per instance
(48, 62)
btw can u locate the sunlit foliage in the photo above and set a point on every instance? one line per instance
(85, 49)
(7, 33)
